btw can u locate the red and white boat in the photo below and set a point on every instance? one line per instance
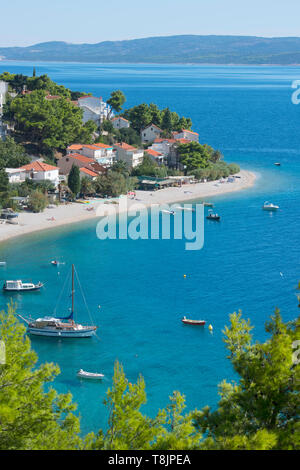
(187, 321)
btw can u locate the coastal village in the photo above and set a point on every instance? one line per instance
(119, 156)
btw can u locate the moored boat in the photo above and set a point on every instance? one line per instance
(269, 206)
(19, 286)
(213, 216)
(60, 327)
(188, 321)
(89, 375)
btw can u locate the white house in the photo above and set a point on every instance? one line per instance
(94, 109)
(186, 134)
(16, 175)
(40, 171)
(120, 123)
(150, 133)
(101, 153)
(87, 173)
(128, 154)
(3, 91)
(163, 146)
(156, 156)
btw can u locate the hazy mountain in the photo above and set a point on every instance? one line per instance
(170, 49)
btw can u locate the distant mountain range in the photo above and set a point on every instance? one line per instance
(169, 50)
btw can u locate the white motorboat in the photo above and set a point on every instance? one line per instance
(2, 263)
(269, 206)
(19, 286)
(61, 327)
(89, 375)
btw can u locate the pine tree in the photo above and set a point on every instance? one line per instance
(30, 418)
(74, 180)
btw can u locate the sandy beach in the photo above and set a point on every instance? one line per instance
(77, 212)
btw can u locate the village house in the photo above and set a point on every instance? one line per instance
(120, 123)
(35, 171)
(157, 157)
(66, 162)
(128, 154)
(16, 175)
(102, 153)
(163, 146)
(150, 133)
(186, 134)
(87, 173)
(94, 109)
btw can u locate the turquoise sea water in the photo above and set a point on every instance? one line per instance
(247, 113)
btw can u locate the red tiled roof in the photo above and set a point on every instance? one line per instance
(185, 130)
(102, 146)
(75, 147)
(88, 172)
(125, 146)
(152, 125)
(153, 153)
(160, 140)
(81, 158)
(38, 166)
(183, 141)
(119, 117)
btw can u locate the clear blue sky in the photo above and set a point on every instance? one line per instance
(32, 21)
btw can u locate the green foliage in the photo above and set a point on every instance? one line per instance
(74, 180)
(263, 408)
(38, 201)
(86, 186)
(233, 168)
(12, 155)
(130, 136)
(114, 183)
(4, 188)
(47, 123)
(142, 115)
(42, 82)
(150, 168)
(121, 167)
(31, 418)
(116, 100)
(195, 155)
(129, 429)
(107, 126)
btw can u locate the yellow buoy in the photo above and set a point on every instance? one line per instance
(184, 275)
(210, 327)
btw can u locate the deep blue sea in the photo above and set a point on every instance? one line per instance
(250, 261)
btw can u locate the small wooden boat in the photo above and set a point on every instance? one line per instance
(19, 286)
(208, 204)
(89, 375)
(268, 206)
(187, 321)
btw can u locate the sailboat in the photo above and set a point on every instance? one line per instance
(61, 327)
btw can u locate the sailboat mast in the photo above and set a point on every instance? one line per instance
(72, 290)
